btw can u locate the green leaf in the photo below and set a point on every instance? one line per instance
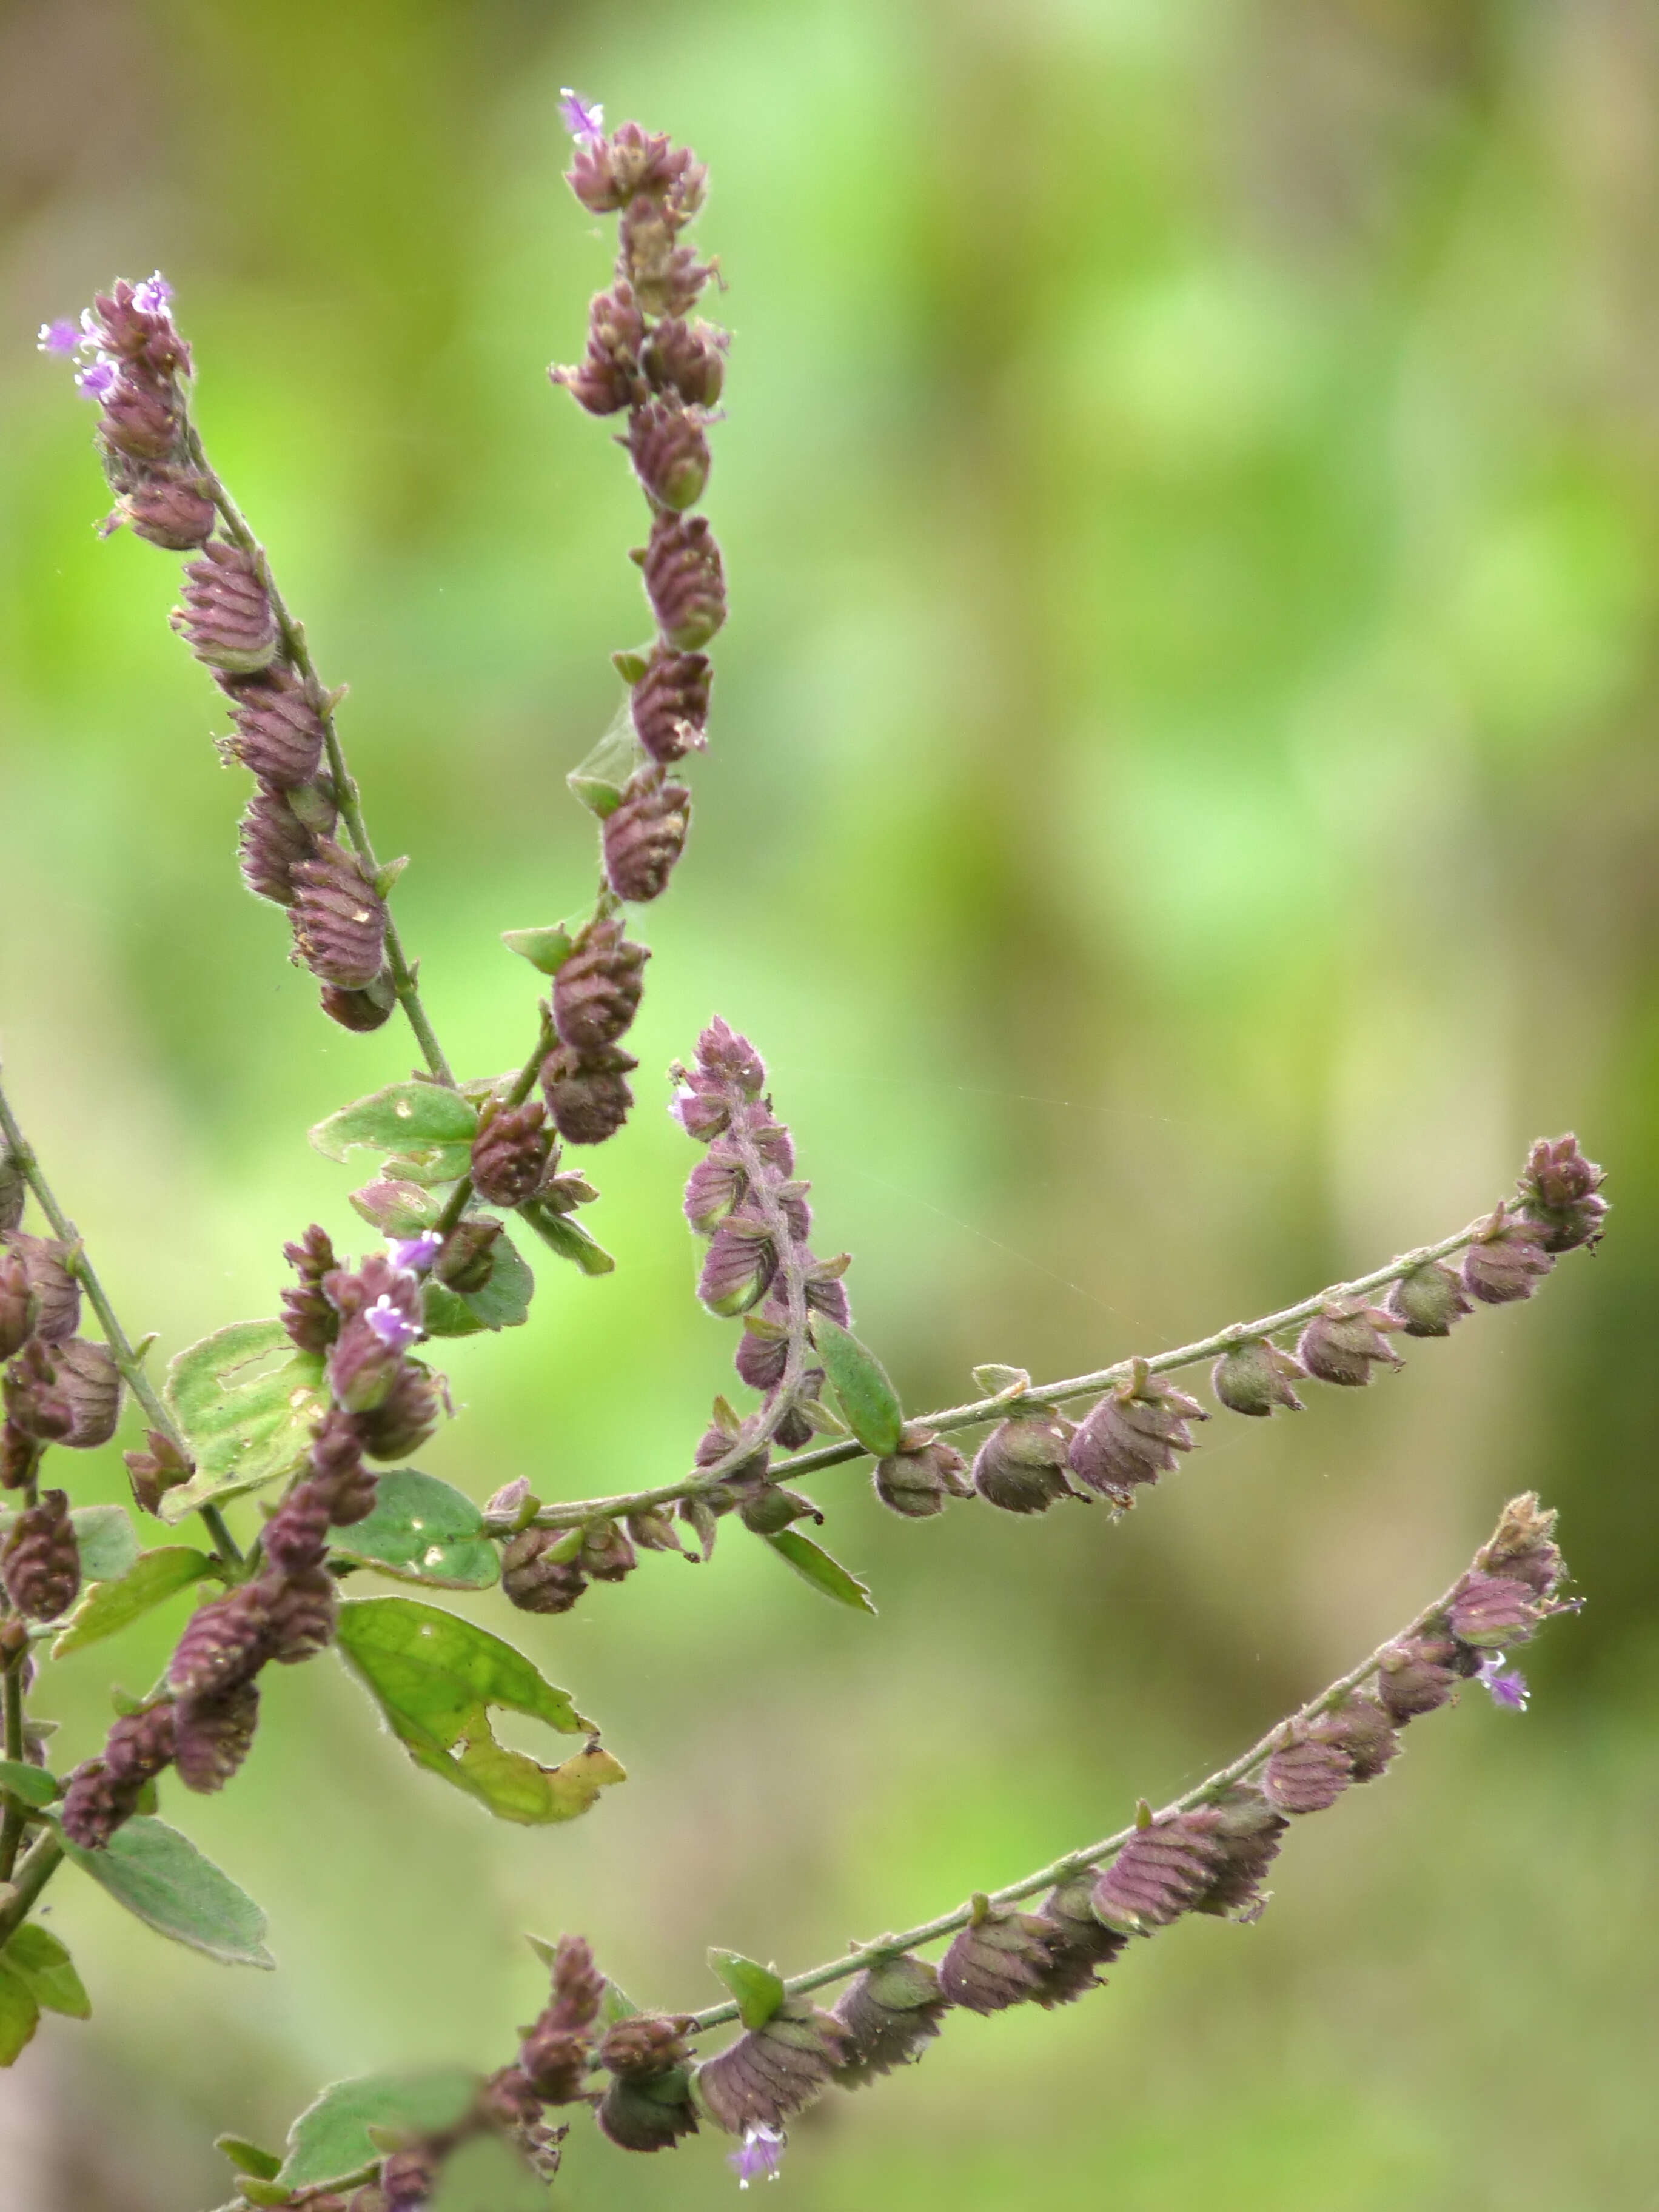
(423, 1530)
(248, 2158)
(161, 1876)
(444, 1312)
(40, 1960)
(560, 1235)
(437, 1163)
(546, 950)
(107, 1540)
(330, 2138)
(32, 1784)
(20, 2014)
(436, 1678)
(868, 1398)
(615, 2004)
(504, 1301)
(758, 1990)
(246, 1421)
(403, 1117)
(109, 1606)
(816, 1566)
(396, 1209)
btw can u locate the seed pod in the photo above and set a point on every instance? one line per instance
(1559, 1191)
(1346, 1341)
(295, 1537)
(1429, 1300)
(688, 359)
(587, 1093)
(999, 1959)
(648, 2103)
(90, 1382)
(715, 1188)
(597, 991)
(279, 732)
(34, 1403)
(339, 918)
(162, 1466)
(300, 1614)
(466, 1260)
(1489, 1611)
(748, 1472)
(336, 1466)
(361, 1011)
(1021, 1466)
(670, 704)
(918, 1478)
(58, 1295)
(685, 581)
(13, 1190)
(170, 509)
(41, 1564)
(214, 1736)
(774, 2072)
(510, 1154)
(308, 1315)
(555, 2061)
(362, 1365)
(888, 2015)
(105, 1792)
(532, 1579)
(1305, 1776)
(1079, 1943)
(273, 841)
(1359, 1727)
(1416, 1676)
(1253, 1378)
(1507, 1261)
(20, 1456)
(645, 834)
(223, 1643)
(1247, 1830)
(739, 1265)
(405, 1418)
(18, 1304)
(1132, 1435)
(608, 377)
(670, 453)
(227, 618)
(138, 422)
(1163, 1870)
(607, 1554)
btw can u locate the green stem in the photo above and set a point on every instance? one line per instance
(12, 1822)
(523, 1084)
(1072, 1863)
(345, 788)
(41, 1861)
(126, 1359)
(567, 1514)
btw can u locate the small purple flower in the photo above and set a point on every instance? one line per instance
(761, 2155)
(1507, 1686)
(97, 381)
(151, 297)
(60, 336)
(395, 1329)
(414, 1254)
(582, 118)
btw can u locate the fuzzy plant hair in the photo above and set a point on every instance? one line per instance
(304, 1420)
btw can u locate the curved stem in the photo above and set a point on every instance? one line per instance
(129, 1361)
(345, 788)
(566, 1514)
(1071, 1864)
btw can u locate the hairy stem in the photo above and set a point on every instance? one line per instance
(1071, 1864)
(126, 1359)
(567, 1514)
(345, 788)
(41, 1861)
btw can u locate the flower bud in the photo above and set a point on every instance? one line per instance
(18, 1304)
(889, 2014)
(1559, 1191)
(510, 1154)
(1489, 1611)
(1524, 1547)
(1021, 1466)
(776, 2071)
(407, 2178)
(90, 1382)
(1359, 1727)
(597, 991)
(301, 1611)
(363, 1366)
(227, 618)
(223, 1643)
(57, 1293)
(587, 1093)
(1132, 1435)
(1079, 1943)
(40, 1563)
(279, 732)
(339, 918)
(607, 1555)
(170, 509)
(1429, 1300)
(337, 1467)
(466, 1260)
(685, 581)
(1507, 1261)
(139, 423)
(1415, 1676)
(670, 704)
(405, 1418)
(748, 1472)
(535, 1581)
(999, 1959)
(310, 1317)
(105, 1792)
(1253, 1378)
(273, 841)
(1343, 1343)
(363, 1011)
(214, 1736)
(161, 1467)
(34, 1403)
(670, 453)
(295, 1537)
(739, 1265)
(645, 834)
(1306, 1775)
(20, 1456)
(1165, 1868)
(715, 1188)
(918, 1478)
(688, 359)
(1247, 1830)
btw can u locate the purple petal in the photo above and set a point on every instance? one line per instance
(761, 2155)
(60, 336)
(1506, 1685)
(415, 1253)
(395, 1329)
(96, 381)
(151, 297)
(582, 118)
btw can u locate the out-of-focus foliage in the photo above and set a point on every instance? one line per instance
(1181, 817)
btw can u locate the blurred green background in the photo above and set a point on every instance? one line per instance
(1179, 820)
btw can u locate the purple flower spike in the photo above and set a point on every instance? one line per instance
(582, 118)
(60, 336)
(97, 381)
(760, 2157)
(1506, 1685)
(395, 1329)
(414, 1254)
(151, 297)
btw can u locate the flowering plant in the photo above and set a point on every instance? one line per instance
(283, 1441)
